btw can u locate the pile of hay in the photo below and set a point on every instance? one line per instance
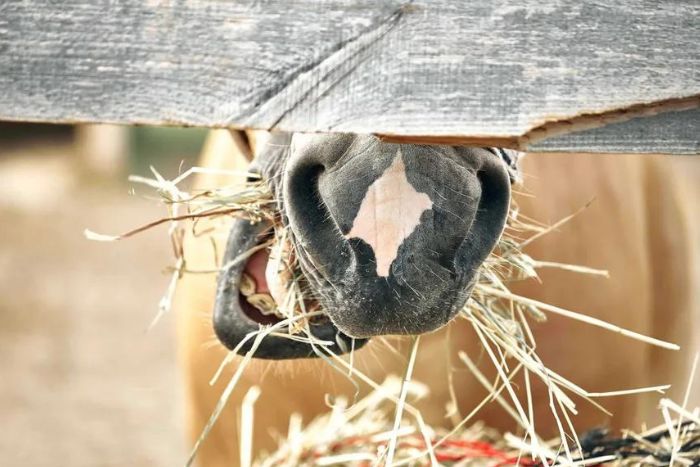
(361, 434)
(384, 427)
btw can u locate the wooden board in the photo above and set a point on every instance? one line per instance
(520, 74)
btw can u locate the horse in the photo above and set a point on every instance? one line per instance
(404, 267)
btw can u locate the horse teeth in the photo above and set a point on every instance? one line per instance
(278, 272)
(263, 302)
(247, 285)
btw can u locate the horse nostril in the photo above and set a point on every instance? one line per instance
(315, 231)
(301, 189)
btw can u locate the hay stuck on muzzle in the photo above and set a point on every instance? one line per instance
(384, 428)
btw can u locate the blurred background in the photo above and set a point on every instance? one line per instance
(83, 381)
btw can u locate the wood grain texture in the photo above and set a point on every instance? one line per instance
(500, 72)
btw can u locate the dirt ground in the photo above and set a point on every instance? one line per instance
(74, 390)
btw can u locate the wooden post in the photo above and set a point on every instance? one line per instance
(103, 149)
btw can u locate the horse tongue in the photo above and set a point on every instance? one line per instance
(255, 268)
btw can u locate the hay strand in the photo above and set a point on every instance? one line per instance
(246, 448)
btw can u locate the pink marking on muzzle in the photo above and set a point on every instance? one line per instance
(390, 211)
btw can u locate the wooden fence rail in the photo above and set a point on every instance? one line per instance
(560, 75)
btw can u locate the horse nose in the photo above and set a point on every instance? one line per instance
(399, 231)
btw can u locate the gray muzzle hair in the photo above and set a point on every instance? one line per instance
(390, 237)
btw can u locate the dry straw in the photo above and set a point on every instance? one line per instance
(385, 428)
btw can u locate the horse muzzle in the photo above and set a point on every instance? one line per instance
(390, 237)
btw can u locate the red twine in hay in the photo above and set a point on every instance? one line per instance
(449, 450)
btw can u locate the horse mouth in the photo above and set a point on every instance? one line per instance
(252, 296)
(253, 290)
(264, 288)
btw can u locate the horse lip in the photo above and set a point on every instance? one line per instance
(231, 323)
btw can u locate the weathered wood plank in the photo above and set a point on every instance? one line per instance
(515, 73)
(639, 135)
